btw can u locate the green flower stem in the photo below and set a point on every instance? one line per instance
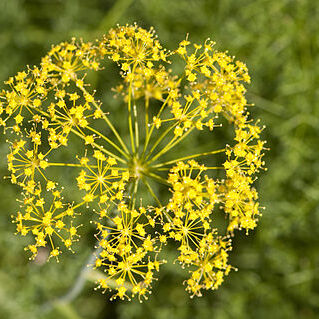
(80, 165)
(129, 106)
(160, 139)
(147, 104)
(171, 144)
(136, 127)
(189, 157)
(109, 141)
(107, 121)
(152, 128)
(134, 192)
(156, 177)
(193, 168)
(102, 149)
(148, 186)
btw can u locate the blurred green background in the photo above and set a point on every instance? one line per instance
(278, 264)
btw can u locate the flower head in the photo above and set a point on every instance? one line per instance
(146, 184)
(47, 218)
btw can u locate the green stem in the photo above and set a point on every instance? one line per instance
(80, 165)
(102, 149)
(147, 103)
(156, 177)
(69, 165)
(136, 127)
(188, 157)
(107, 121)
(193, 168)
(159, 140)
(133, 198)
(148, 186)
(108, 140)
(129, 106)
(171, 144)
(152, 128)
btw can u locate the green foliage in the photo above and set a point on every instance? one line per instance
(278, 263)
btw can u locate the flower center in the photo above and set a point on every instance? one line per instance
(137, 168)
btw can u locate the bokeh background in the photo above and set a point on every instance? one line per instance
(278, 263)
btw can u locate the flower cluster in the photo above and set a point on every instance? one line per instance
(103, 178)
(129, 250)
(142, 194)
(44, 217)
(189, 222)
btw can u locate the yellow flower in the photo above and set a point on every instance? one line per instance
(122, 180)
(45, 218)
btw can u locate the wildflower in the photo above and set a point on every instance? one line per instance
(45, 217)
(127, 250)
(102, 178)
(25, 162)
(48, 107)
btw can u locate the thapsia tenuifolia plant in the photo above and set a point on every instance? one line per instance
(44, 106)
